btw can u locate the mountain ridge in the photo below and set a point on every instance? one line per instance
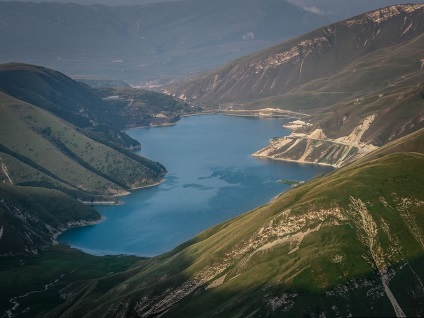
(293, 56)
(62, 116)
(352, 236)
(350, 243)
(54, 147)
(145, 43)
(356, 84)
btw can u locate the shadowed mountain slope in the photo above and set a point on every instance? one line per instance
(31, 217)
(44, 112)
(69, 100)
(352, 237)
(58, 143)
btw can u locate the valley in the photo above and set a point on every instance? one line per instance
(326, 243)
(324, 221)
(335, 79)
(209, 161)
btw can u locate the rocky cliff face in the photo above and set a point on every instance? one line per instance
(359, 80)
(318, 54)
(316, 147)
(346, 132)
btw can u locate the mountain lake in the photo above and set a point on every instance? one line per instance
(211, 178)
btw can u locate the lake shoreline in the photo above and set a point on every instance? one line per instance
(255, 113)
(211, 178)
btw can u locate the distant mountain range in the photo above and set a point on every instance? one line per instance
(350, 243)
(355, 82)
(337, 9)
(158, 41)
(146, 42)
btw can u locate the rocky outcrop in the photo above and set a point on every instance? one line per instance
(315, 147)
(283, 69)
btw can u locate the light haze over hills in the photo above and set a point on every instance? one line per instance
(146, 42)
(158, 41)
(350, 243)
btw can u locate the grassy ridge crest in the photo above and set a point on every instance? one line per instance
(319, 248)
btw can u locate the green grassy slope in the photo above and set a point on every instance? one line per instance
(51, 149)
(30, 217)
(51, 141)
(70, 100)
(31, 285)
(143, 108)
(350, 243)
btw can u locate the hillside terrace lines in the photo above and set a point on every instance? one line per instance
(283, 228)
(153, 307)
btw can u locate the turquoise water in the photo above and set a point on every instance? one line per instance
(212, 177)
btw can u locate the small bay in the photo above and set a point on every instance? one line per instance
(212, 178)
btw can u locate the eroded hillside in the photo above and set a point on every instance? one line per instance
(356, 84)
(354, 236)
(315, 58)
